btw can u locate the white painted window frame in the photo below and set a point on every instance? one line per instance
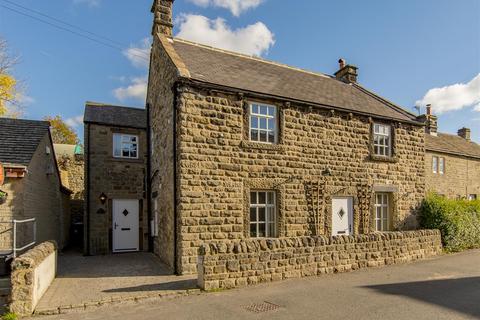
(441, 165)
(122, 135)
(387, 148)
(382, 211)
(260, 116)
(270, 215)
(435, 164)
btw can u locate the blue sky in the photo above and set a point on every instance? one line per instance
(403, 48)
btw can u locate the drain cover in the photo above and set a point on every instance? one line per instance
(264, 306)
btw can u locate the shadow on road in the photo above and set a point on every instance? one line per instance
(462, 295)
(172, 285)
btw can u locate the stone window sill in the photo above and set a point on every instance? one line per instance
(262, 146)
(383, 158)
(113, 159)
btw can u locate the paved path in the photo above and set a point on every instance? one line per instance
(447, 287)
(89, 280)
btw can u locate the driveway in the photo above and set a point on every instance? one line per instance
(446, 287)
(88, 281)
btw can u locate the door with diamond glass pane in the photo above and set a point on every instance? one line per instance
(342, 216)
(125, 225)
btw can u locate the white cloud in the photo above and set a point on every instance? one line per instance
(454, 97)
(236, 7)
(90, 3)
(74, 121)
(254, 39)
(136, 90)
(139, 55)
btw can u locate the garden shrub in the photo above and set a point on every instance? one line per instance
(457, 220)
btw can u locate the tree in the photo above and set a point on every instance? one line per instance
(61, 132)
(9, 86)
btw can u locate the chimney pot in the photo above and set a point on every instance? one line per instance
(464, 133)
(429, 109)
(347, 73)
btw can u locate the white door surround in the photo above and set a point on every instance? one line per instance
(342, 216)
(125, 224)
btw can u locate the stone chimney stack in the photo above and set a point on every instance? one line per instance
(464, 133)
(346, 73)
(162, 17)
(430, 120)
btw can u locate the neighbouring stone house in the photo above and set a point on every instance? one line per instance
(116, 218)
(70, 160)
(32, 183)
(452, 162)
(243, 147)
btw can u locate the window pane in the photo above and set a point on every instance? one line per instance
(271, 124)
(261, 197)
(253, 214)
(254, 122)
(271, 137)
(271, 230)
(254, 108)
(263, 136)
(261, 230)
(253, 197)
(379, 225)
(253, 230)
(271, 197)
(271, 111)
(263, 123)
(117, 145)
(254, 135)
(263, 110)
(261, 214)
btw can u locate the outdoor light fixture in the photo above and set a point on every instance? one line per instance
(103, 198)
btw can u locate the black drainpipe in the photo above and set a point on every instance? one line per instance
(149, 181)
(175, 184)
(87, 218)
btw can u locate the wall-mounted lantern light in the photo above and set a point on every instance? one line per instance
(103, 198)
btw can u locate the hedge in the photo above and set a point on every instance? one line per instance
(458, 221)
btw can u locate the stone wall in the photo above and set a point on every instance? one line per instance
(460, 179)
(228, 264)
(117, 178)
(72, 172)
(162, 114)
(218, 166)
(32, 274)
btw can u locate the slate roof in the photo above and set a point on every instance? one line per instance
(19, 139)
(115, 115)
(452, 144)
(253, 74)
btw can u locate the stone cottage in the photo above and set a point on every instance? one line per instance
(244, 147)
(452, 162)
(32, 183)
(116, 218)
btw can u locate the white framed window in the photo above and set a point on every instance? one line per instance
(382, 211)
(438, 165)
(263, 123)
(263, 221)
(441, 165)
(382, 140)
(125, 146)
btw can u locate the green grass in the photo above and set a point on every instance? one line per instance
(9, 316)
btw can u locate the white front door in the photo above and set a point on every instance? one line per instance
(125, 225)
(342, 216)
